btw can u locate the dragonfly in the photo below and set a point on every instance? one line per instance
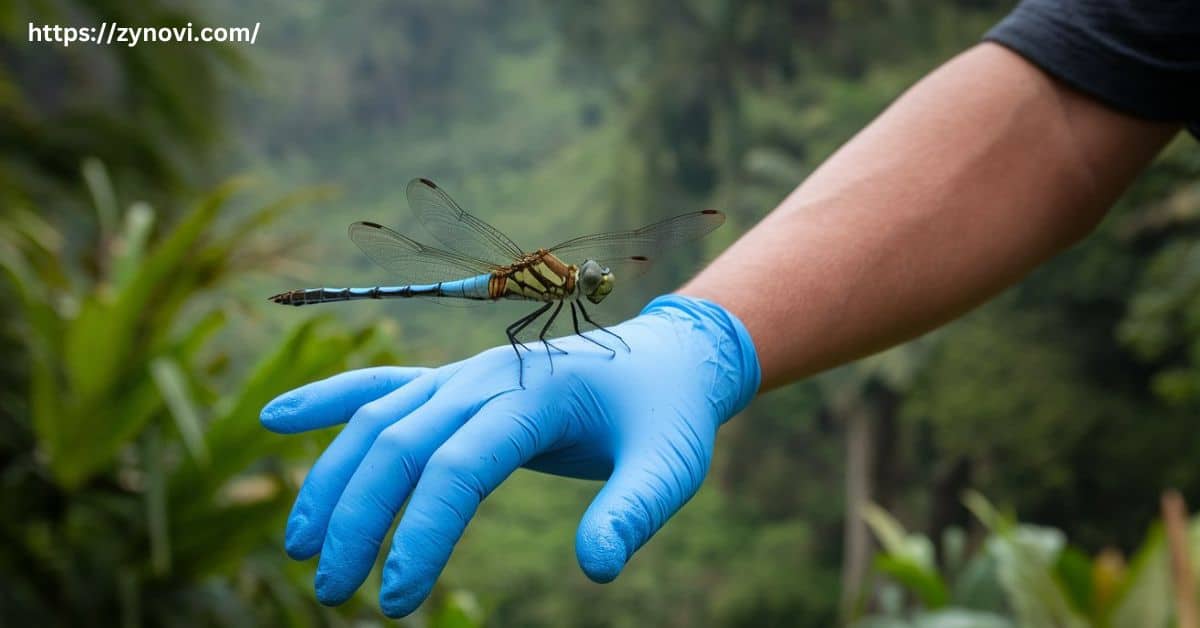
(480, 263)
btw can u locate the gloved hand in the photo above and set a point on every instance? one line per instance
(644, 419)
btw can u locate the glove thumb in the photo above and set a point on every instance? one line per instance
(643, 492)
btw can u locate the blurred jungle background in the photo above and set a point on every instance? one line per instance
(153, 196)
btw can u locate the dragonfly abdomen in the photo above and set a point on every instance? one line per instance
(475, 288)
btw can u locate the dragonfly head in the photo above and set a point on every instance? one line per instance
(595, 281)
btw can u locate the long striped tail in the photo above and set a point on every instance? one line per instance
(475, 288)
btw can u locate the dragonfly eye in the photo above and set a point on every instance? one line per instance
(589, 276)
(602, 290)
(595, 281)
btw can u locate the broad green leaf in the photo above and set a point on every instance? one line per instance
(987, 514)
(896, 541)
(1025, 559)
(926, 584)
(135, 237)
(104, 199)
(172, 384)
(978, 585)
(107, 339)
(86, 446)
(235, 430)
(909, 557)
(1074, 571)
(104, 335)
(1145, 600)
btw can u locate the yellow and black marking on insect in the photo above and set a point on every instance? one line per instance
(539, 276)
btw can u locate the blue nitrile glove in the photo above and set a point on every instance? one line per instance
(644, 419)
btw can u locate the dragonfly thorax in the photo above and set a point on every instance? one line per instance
(594, 281)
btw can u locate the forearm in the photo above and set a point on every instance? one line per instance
(977, 174)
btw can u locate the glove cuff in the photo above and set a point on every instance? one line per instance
(739, 374)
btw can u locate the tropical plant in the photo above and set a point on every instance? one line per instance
(138, 484)
(1023, 575)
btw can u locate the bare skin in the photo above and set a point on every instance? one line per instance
(980, 172)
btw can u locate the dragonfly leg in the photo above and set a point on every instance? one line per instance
(542, 336)
(512, 330)
(575, 322)
(599, 326)
(520, 324)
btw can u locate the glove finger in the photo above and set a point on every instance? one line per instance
(377, 489)
(333, 400)
(647, 487)
(504, 435)
(332, 471)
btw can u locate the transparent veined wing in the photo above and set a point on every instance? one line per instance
(637, 248)
(625, 267)
(409, 261)
(456, 229)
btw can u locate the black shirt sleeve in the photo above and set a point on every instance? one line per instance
(1138, 56)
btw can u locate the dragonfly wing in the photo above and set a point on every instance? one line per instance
(626, 267)
(638, 247)
(409, 261)
(458, 230)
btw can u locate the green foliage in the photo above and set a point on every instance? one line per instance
(907, 558)
(130, 471)
(453, 609)
(1163, 318)
(1043, 581)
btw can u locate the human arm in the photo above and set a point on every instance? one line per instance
(977, 174)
